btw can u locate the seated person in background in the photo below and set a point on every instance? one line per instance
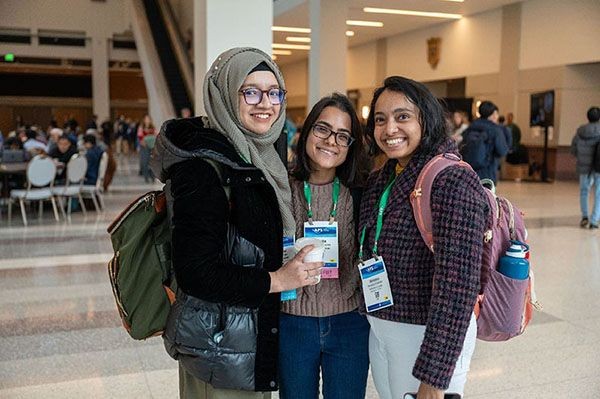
(93, 153)
(53, 137)
(13, 143)
(63, 152)
(31, 144)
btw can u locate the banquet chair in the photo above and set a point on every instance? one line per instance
(40, 180)
(96, 191)
(76, 168)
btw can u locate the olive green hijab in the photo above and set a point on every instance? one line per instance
(221, 102)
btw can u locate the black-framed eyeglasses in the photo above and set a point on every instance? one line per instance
(341, 138)
(254, 96)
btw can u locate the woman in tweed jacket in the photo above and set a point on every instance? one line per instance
(423, 343)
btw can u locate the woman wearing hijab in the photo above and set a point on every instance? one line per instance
(230, 211)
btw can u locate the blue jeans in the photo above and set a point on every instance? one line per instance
(337, 345)
(585, 183)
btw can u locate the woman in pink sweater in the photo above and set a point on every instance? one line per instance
(321, 331)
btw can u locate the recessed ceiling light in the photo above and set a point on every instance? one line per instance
(290, 29)
(411, 12)
(349, 33)
(291, 46)
(297, 39)
(374, 24)
(282, 52)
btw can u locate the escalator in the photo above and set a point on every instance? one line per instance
(173, 73)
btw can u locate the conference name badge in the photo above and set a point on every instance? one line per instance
(375, 284)
(328, 233)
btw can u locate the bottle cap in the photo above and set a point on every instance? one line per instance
(516, 250)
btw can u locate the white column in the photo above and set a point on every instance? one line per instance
(510, 49)
(100, 83)
(328, 49)
(222, 24)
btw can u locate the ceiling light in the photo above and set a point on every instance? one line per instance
(291, 46)
(349, 33)
(410, 12)
(282, 52)
(298, 39)
(290, 29)
(364, 23)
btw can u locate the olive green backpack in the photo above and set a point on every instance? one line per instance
(140, 271)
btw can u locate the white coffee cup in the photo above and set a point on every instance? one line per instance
(316, 254)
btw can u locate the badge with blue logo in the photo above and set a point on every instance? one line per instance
(328, 233)
(375, 284)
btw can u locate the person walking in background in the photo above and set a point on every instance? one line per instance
(107, 133)
(145, 129)
(146, 146)
(321, 330)
(92, 123)
(485, 142)
(93, 154)
(585, 147)
(517, 154)
(423, 342)
(231, 210)
(121, 128)
(515, 132)
(460, 123)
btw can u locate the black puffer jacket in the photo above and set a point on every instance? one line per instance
(223, 328)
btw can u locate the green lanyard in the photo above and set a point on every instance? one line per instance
(382, 205)
(335, 196)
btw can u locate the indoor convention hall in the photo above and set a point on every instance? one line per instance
(432, 168)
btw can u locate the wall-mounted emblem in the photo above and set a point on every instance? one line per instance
(434, 46)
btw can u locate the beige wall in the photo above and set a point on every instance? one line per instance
(361, 66)
(576, 87)
(558, 32)
(296, 83)
(469, 46)
(581, 90)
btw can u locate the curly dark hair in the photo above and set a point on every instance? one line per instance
(431, 113)
(353, 172)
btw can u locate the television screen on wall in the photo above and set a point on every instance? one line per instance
(542, 109)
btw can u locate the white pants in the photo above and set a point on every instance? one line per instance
(393, 350)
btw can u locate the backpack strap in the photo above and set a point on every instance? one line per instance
(420, 198)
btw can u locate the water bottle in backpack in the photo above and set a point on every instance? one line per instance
(514, 263)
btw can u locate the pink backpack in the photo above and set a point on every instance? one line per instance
(504, 306)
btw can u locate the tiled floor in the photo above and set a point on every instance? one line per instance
(60, 336)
